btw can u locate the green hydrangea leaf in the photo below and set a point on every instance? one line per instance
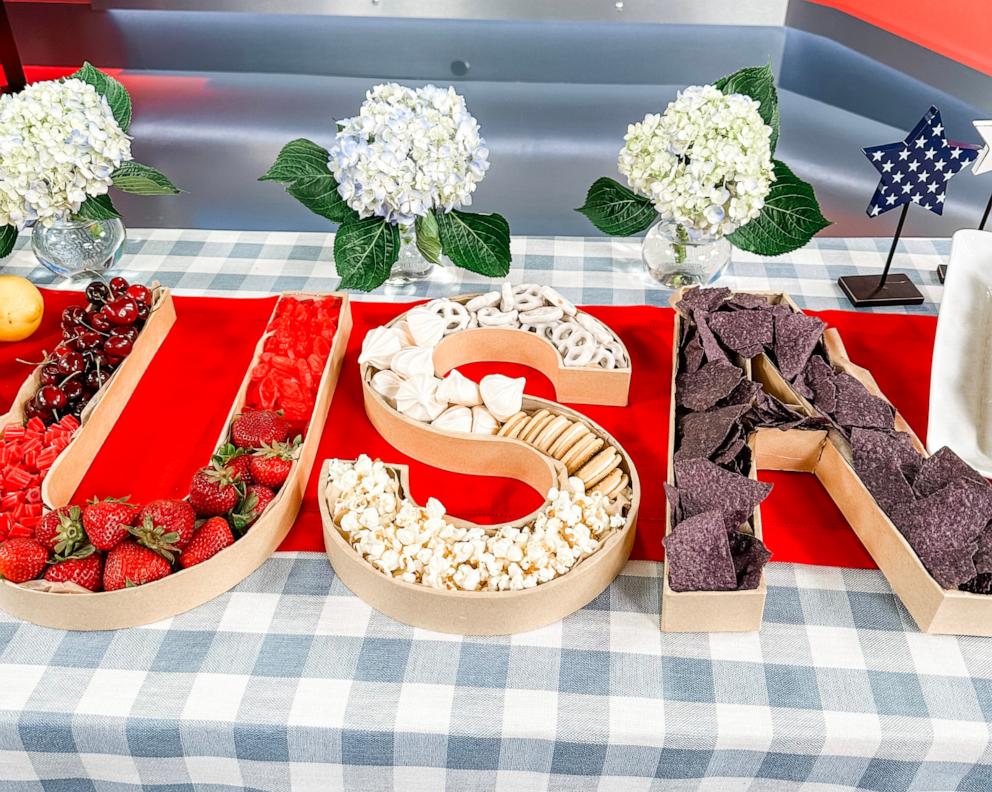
(428, 237)
(479, 243)
(8, 236)
(297, 159)
(109, 88)
(320, 195)
(758, 82)
(365, 251)
(137, 179)
(617, 210)
(98, 207)
(789, 219)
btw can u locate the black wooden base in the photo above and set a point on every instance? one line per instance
(863, 290)
(941, 272)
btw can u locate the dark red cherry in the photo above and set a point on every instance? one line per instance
(49, 375)
(98, 293)
(143, 311)
(72, 317)
(117, 346)
(51, 397)
(119, 286)
(140, 294)
(98, 321)
(73, 389)
(70, 363)
(88, 339)
(95, 379)
(122, 311)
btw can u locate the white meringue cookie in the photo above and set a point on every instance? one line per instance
(414, 361)
(425, 327)
(402, 329)
(502, 395)
(454, 419)
(386, 383)
(379, 347)
(417, 398)
(483, 421)
(456, 388)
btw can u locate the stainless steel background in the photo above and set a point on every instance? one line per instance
(217, 93)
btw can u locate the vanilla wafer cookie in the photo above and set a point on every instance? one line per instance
(512, 426)
(581, 453)
(597, 468)
(538, 421)
(551, 432)
(568, 438)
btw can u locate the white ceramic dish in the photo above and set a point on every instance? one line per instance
(961, 377)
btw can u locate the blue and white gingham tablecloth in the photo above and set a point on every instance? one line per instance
(290, 682)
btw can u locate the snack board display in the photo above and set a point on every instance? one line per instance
(170, 556)
(445, 574)
(926, 521)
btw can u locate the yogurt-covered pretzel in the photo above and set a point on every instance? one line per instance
(492, 317)
(552, 297)
(455, 315)
(527, 297)
(541, 316)
(578, 349)
(487, 300)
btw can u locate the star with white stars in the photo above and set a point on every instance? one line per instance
(926, 153)
(984, 162)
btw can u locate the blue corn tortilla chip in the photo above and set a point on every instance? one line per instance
(698, 555)
(857, 407)
(710, 345)
(703, 433)
(750, 556)
(939, 470)
(672, 496)
(745, 332)
(799, 386)
(771, 412)
(944, 529)
(796, 336)
(983, 555)
(705, 486)
(747, 301)
(877, 463)
(745, 392)
(692, 353)
(819, 376)
(980, 584)
(699, 299)
(700, 390)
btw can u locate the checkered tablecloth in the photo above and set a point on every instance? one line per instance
(290, 682)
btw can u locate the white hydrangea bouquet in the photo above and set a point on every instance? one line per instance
(706, 167)
(402, 167)
(63, 145)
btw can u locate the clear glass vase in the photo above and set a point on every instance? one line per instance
(411, 266)
(677, 257)
(74, 247)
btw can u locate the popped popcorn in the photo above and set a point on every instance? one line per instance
(705, 162)
(59, 145)
(408, 151)
(418, 545)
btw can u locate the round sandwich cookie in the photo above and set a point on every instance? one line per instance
(611, 484)
(539, 420)
(551, 432)
(568, 438)
(581, 452)
(512, 426)
(597, 468)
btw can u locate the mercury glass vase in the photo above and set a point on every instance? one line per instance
(410, 266)
(676, 257)
(74, 247)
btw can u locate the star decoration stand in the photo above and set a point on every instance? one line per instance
(914, 170)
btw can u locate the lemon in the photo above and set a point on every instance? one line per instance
(21, 308)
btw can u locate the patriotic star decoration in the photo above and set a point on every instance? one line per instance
(984, 162)
(917, 169)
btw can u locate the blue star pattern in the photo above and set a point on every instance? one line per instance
(917, 169)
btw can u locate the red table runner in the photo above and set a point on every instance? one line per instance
(169, 427)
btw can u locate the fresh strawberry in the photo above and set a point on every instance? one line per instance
(252, 429)
(212, 537)
(106, 522)
(22, 559)
(172, 516)
(61, 530)
(129, 564)
(235, 459)
(271, 463)
(256, 500)
(84, 569)
(215, 490)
